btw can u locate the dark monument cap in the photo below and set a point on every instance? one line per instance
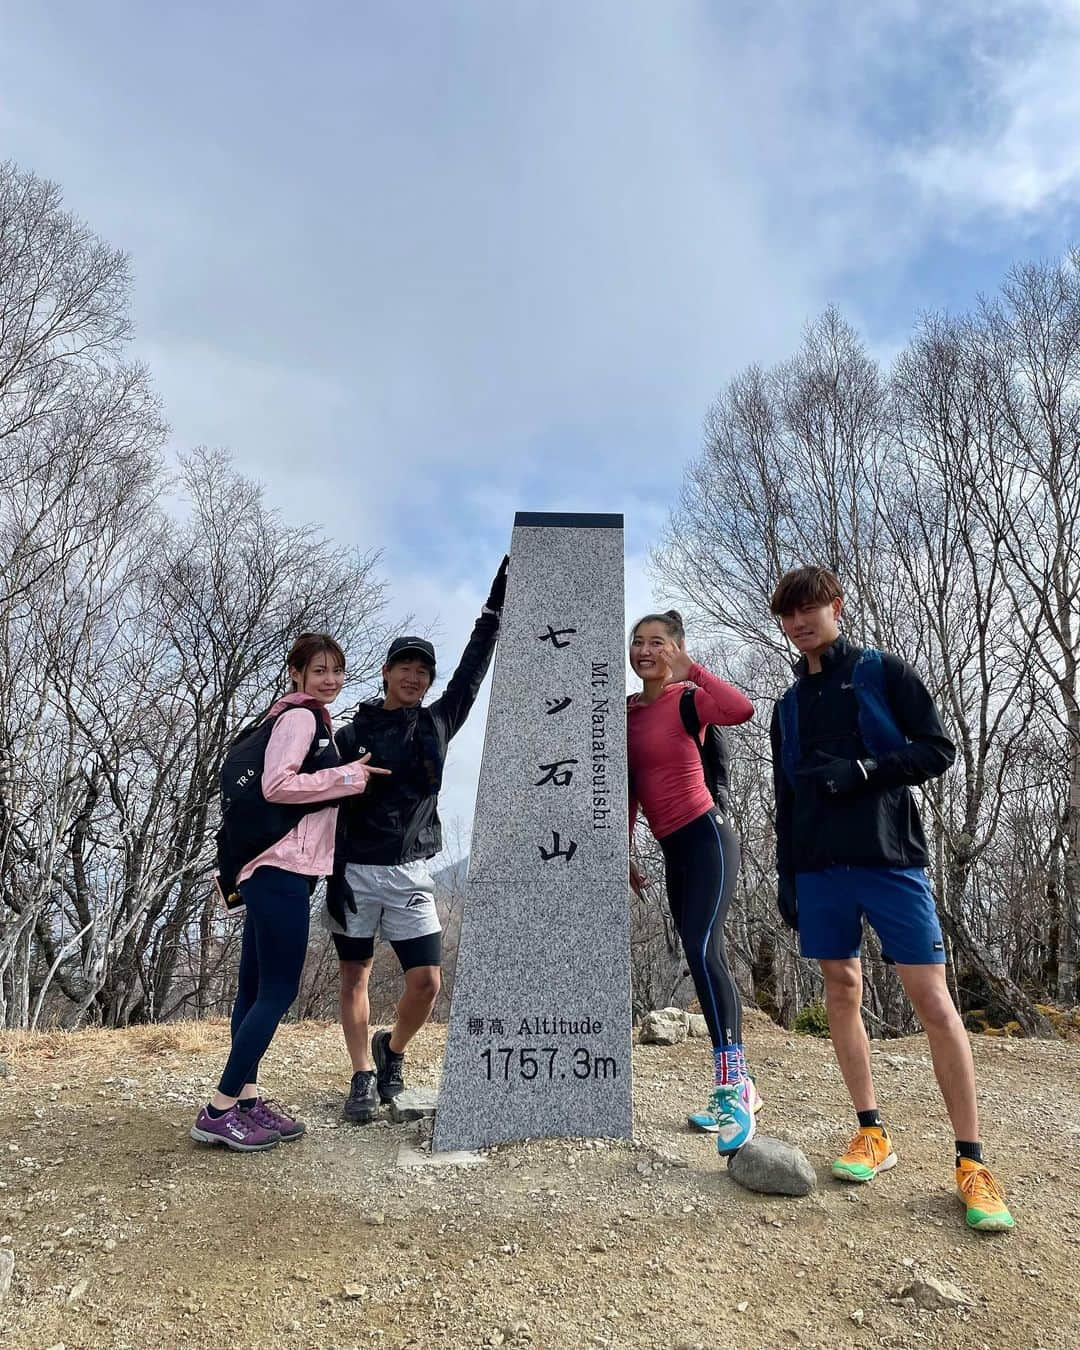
(416, 646)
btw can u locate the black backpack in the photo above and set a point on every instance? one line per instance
(712, 748)
(249, 823)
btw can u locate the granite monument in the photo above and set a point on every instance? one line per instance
(540, 1024)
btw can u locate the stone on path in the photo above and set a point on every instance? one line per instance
(696, 1024)
(772, 1167)
(934, 1295)
(664, 1026)
(7, 1269)
(413, 1104)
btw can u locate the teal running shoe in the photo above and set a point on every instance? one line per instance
(732, 1106)
(706, 1123)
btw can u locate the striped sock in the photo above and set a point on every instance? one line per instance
(730, 1064)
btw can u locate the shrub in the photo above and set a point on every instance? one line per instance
(812, 1021)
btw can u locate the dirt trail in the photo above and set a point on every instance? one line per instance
(127, 1235)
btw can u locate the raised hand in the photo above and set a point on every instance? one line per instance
(677, 660)
(497, 597)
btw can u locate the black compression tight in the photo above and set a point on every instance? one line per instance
(701, 862)
(272, 952)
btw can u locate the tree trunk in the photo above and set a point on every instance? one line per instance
(1006, 993)
(763, 972)
(1070, 906)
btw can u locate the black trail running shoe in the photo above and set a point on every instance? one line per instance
(388, 1067)
(362, 1100)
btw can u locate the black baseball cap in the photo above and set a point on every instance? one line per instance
(412, 646)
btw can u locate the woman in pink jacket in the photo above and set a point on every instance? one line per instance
(276, 890)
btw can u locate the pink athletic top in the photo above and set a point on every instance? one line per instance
(308, 848)
(665, 767)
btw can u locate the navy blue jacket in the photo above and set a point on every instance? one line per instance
(878, 825)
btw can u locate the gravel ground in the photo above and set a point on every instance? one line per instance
(125, 1234)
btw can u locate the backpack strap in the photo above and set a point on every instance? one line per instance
(269, 718)
(689, 714)
(877, 725)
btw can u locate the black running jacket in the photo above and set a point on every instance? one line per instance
(396, 820)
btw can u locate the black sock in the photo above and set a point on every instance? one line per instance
(868, 1118)
(965, 1148)
(246, 1103)
(216, 1112)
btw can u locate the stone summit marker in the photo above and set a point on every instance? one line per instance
(539, 1040)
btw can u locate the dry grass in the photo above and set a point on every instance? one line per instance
(108, 1048)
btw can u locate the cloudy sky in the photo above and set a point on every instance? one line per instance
(420, 266)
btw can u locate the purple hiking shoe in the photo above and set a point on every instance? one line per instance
(235, 1129)
(272, 1115)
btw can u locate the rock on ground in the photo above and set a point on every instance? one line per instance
(772, 1167)
(413, 1104)
(696, 1024)
(7, 1269)
(934, 1295)
(664, 1026)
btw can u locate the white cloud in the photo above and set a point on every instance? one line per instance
(1017, 152)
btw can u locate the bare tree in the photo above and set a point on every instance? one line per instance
(900, 484)
(134, 642)
(1032, 486)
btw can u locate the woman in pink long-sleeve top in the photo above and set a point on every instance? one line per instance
(276, 889)
(701, 850)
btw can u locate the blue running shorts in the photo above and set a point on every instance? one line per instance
(896, 901)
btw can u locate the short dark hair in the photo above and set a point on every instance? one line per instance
(804, 587)
(671, 619)
(309, 645)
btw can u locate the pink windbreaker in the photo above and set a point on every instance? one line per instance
(309, 847)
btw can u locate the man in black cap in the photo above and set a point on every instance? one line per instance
(381, 879)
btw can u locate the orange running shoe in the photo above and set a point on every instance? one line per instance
(987, 1211)
(869, 1153)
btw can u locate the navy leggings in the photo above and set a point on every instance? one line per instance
(272, 953)
(701, 862)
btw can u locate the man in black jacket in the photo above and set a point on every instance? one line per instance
(381, 879)
(850, 739)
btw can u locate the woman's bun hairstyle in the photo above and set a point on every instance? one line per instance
(671, 620)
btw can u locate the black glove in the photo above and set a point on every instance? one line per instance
(498, 588)
(839, 777)
(338, 895)
(786, 901)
